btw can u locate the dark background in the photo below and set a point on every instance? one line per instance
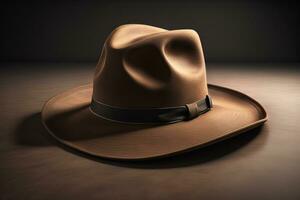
(75, 30)
(250, 46)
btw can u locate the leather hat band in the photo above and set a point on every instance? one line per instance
(151, 115)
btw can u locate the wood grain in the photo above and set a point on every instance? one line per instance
(261, 164)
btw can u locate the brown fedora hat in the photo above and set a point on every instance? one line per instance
(149, 99)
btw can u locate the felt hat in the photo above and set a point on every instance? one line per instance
(149, 99)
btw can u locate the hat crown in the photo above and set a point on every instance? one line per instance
(146, 66)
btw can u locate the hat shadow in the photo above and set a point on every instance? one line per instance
(31, 132)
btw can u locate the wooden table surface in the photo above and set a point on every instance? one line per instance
(260, 164)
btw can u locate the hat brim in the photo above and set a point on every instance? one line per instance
(68, 119)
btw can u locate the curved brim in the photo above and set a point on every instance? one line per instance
(68, 119)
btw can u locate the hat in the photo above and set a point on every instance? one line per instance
(149, 99)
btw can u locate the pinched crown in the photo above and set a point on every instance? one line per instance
(146, 66)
